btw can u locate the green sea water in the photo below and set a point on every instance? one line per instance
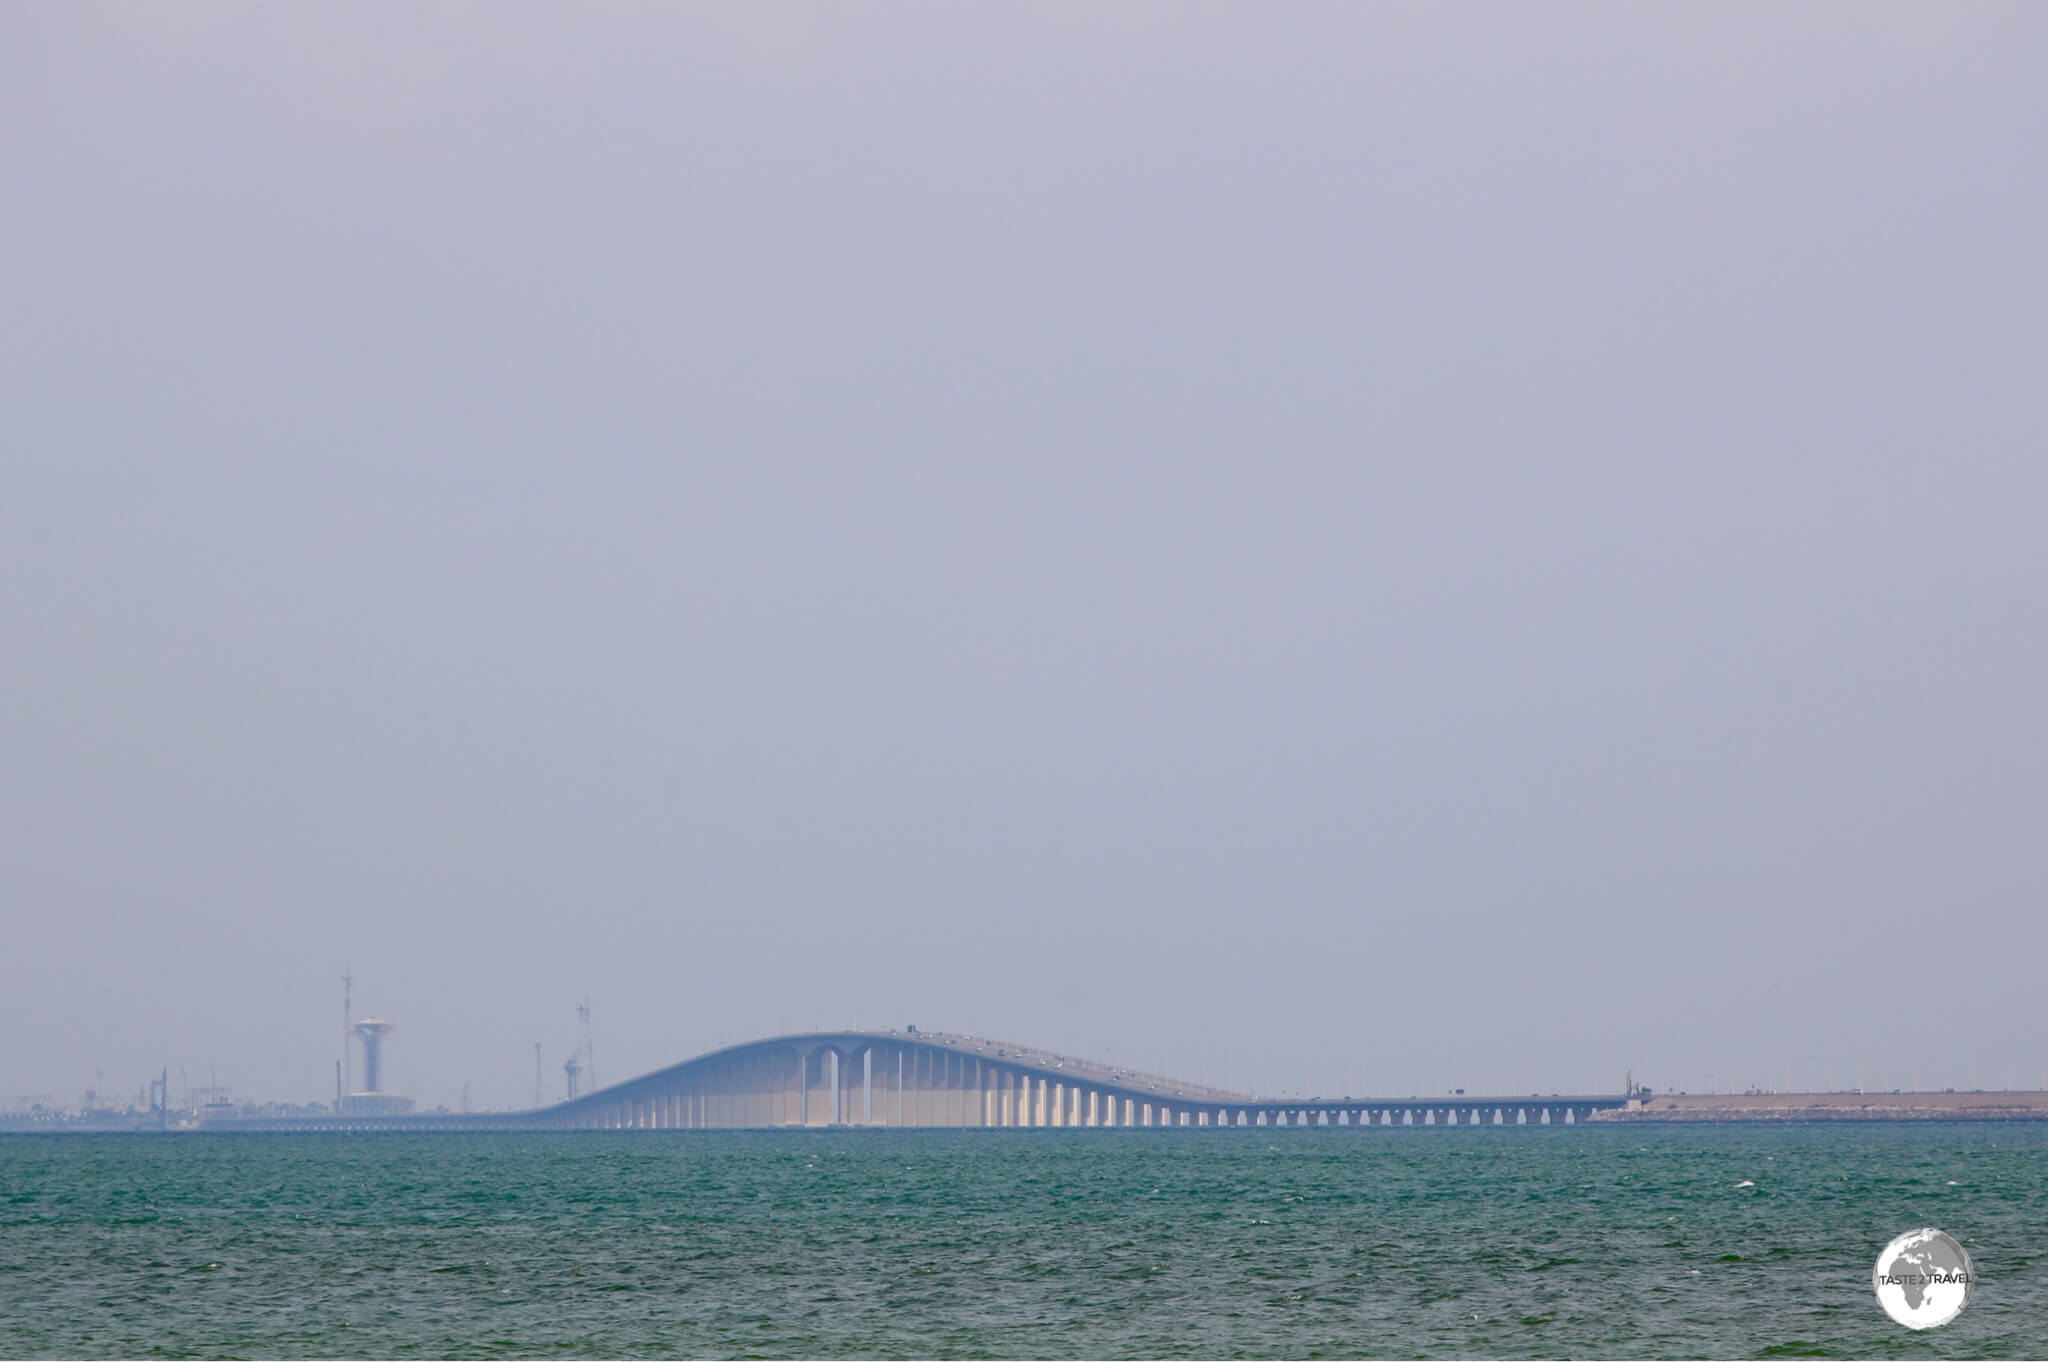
(1587, 1242)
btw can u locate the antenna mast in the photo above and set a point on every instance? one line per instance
(348, 1019)
(588, 1055)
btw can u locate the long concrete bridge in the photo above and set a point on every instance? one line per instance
(925, 1079)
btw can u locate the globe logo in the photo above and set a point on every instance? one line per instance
(1923, 1279)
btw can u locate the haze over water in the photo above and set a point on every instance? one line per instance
(1173, 533)
(1292, 1243)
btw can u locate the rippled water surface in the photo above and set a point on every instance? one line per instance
(1305, 1243)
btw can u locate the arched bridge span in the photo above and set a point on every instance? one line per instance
(924, 1079)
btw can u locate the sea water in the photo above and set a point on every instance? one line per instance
(1645, 1241)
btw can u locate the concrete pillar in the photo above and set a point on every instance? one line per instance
(824, 1088)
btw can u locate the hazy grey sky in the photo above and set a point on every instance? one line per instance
(1329, 548)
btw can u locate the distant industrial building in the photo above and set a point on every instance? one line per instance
(372, 1100)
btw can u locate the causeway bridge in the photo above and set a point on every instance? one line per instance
(917, 1079)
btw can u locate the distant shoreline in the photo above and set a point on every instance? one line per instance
(1750, 1108)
